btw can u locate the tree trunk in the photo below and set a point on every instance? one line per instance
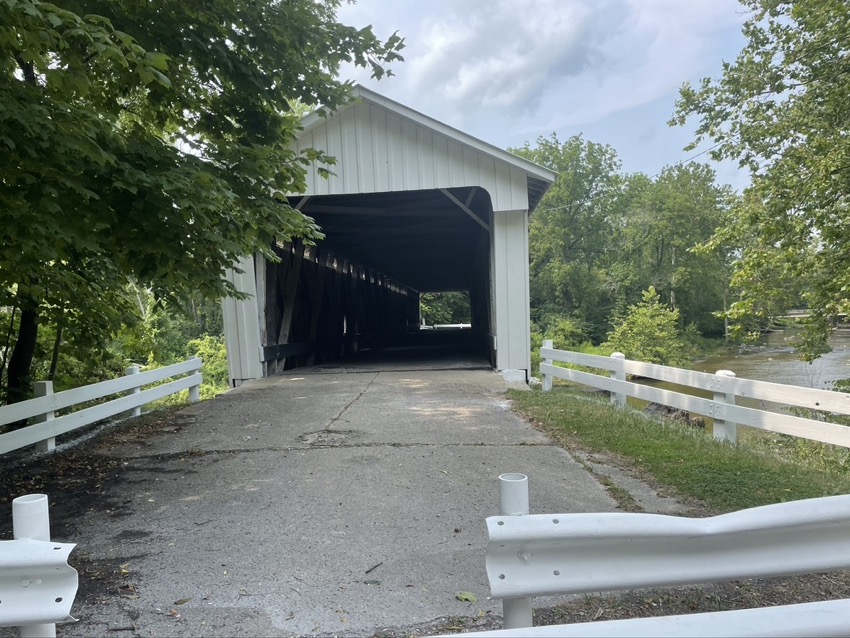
(20, 382)
(19, 386)
(672, 278)
(5, 356)
(54, 360)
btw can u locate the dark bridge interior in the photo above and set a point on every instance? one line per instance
(354, 298)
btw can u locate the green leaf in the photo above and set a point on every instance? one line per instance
(467, 597)
(157, 60)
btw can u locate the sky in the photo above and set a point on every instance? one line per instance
(510, 71)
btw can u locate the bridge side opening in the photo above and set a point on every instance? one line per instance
(445, 310)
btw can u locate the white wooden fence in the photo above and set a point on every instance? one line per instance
(48, 426)
(554, 554)
(724, 386)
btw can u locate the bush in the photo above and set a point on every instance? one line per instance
(649, 332)
(214, 354)
(536, 344)
(566, 332)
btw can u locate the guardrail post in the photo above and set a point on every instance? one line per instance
(725, 430)
(31, 519)
(513, 501)
(43, 389)
(195, 390)
(618, 398)
(134, 369)
(547, 378)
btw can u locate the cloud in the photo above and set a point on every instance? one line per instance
(500, 56)
(508, 71)
(563, 62)
(503, 55)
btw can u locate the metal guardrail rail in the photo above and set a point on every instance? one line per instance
(552, 554)
(37, 586)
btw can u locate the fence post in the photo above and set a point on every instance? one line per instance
(547, 378)
(725, 430)
(618, 398)
(31, 519)
(134, 369)
(43, 389)
(513, 501)
(195, 392)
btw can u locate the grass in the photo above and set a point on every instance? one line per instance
(713, 477)
(686, 459)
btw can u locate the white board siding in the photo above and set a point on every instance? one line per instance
(242, 325)
(509, 277)
(377, 150)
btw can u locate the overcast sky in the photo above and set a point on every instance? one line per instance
(508, 71)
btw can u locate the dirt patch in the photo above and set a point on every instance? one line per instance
(767, 592)
(646, 603)
(101, 580)
(78, 472)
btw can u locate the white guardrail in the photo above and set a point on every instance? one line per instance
(48, 426)
(723, 385)
(552, 554)
(37, 586)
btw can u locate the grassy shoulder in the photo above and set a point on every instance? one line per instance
(681, 458)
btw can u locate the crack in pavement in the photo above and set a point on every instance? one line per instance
(352, 402)
(188, 454)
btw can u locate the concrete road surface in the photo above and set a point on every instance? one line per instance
(320, 502)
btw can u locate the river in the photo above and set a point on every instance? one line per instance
(773, 359)
(778, 362)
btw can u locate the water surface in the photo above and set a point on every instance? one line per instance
(779, 362)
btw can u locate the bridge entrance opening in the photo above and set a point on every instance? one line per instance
(402, 276)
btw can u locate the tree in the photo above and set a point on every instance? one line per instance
(781, 110)
(649, 332)
(665, 221)
(571, 231)
(152, 141)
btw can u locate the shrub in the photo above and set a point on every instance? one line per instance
(214, 354)
(649, 332)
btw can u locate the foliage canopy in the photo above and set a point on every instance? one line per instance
(599, 238)
(781, 110)
(445, 308)
(151, 141)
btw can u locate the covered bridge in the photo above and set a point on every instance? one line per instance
(411, 206)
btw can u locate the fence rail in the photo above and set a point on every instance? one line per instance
(721, 407)
(42, 409)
